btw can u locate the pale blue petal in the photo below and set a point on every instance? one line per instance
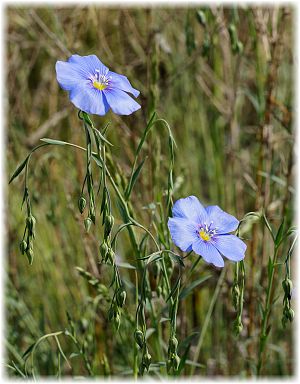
(208, 252)
(121, 82)
(190, 208)
(120, 102)
(89, 64)
(224, 222)
(230, 246)
(89, 100)
(69, 75)
(183, 232)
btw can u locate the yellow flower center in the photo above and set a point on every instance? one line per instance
(204, 235)
(99, 85)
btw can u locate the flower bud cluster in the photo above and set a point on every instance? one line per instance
(173, 358)
(288, 313)
(26, 246)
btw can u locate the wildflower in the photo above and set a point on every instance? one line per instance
(205, 231)
(95, 89)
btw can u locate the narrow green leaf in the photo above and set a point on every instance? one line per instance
(187, 290)
(134, 177)
(18, 170)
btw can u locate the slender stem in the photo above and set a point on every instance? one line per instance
(207, 319)
(266, 314)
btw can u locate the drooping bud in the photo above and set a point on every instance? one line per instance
(147, 360)
(81, 204)
(139, 338)
(287, 286)
(173, 344)
(290, 314)
(23, 246)
(104, 250)
(121, 297)
(109, 222)
(176, 362)
(87, 223)
(117, 321)
(29, 254)
(30, 224)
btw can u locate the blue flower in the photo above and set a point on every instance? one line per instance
(205, 231)
(95, 89)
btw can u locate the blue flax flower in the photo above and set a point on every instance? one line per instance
(205, 231)
(95, 89)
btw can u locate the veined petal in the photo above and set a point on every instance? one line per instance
(190, 208)
(230, 246)
(224, 222)
(183, 232)
(89, 100)
(69, 75)
(121, 82)
(208, 252)
(89, 64)
(120, 102)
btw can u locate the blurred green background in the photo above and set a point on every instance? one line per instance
(224, 82)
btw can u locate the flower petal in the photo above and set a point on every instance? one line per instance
(69, 75)
(224, 222)
(190, 208)
(89, 100)
(231, 247)
(120, 102)
(121, 82)
(183, 232)
(208, 252)
(89, 64)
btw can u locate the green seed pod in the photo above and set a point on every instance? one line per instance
(139, 338)
(147, 360)
(201, 18)
(109, 222)
(87, 223)
(104, 250)
(29, 254)
(30, 224)
(232, 33)
(239, 47)
(121, 297)
(81, 204)
(176, 362)
(173, 344)
(158, 291)
(23, 246)
(287, 286)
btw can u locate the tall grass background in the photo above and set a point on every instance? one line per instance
(229, 104)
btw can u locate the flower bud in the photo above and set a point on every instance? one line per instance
(169, 365)
(201, 18)
(290, 314)
(109, 222)
(176, 362)
(104, 250)
(121, 297)
(23, 246)
(139, 338)
(147, 360)
(29, 254)
(81, 204)
(117, 321)
(238, 327)
(87, 223)
(30, 223)
(287, 286)
(173, 344)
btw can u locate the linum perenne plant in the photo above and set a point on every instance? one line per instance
(94, 89)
